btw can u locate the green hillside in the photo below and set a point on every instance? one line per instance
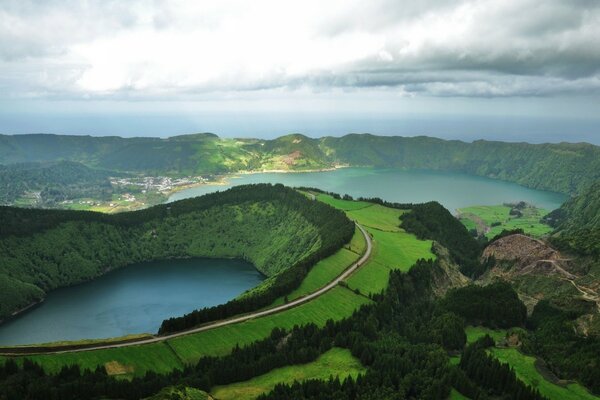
(578, 222)
(562, 167)
(277, 229)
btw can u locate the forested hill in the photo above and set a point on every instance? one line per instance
(53, 181)
(578, 222)
(563, 167)
(279, 230)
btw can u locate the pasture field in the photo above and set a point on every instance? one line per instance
(346, 205)
(157, 357)
(393, 248)
(494, 219)
(322, 273)
(378, 217)
(391, 251)
(335, 362)
(336, 304)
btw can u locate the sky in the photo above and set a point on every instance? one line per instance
(496, 69)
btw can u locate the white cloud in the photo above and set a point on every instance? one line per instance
(181, 49)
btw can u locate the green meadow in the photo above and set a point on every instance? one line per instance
(335, 362)
(495, 219)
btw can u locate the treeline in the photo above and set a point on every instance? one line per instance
(566, 353)
(279, 230)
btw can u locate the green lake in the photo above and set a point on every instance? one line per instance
(452, 190)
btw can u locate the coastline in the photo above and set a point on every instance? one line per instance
(20, 311)
(224, 179)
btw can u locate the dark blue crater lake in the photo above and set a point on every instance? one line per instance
(133, 299)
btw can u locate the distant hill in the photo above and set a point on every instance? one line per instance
(563, 167)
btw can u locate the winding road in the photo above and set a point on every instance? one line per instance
(212, 325)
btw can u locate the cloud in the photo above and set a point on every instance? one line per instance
(173, 49)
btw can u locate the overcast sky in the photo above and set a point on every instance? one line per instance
(252, 67)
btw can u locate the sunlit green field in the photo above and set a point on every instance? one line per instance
(335, 362)
(500, 217)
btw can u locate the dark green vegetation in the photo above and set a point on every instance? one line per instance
(566, 353)
(496, 305)
(47, 184)
(563, 167)
(276, 228)
(578, 222)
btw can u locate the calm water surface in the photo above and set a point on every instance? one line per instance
(452, 190)
(134, 299)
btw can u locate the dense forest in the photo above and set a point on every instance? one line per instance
(563, 167)
(279, 230)
(578, 223)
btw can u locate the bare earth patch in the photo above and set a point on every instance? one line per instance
(116, 368)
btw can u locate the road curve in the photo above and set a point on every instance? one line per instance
(16, 351)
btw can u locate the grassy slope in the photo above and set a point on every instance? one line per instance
(392, 250)
(335, 362)
(529, 222)
(525, 369)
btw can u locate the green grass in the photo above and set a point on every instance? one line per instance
(335, 362)
(322, 273)
(156, 357)
(476, 332)
(524, 367)
(488, 215)
(455, 395)
(358, 244)
(378, 217)
(391, 250)
(336, 304)
(345, 205)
